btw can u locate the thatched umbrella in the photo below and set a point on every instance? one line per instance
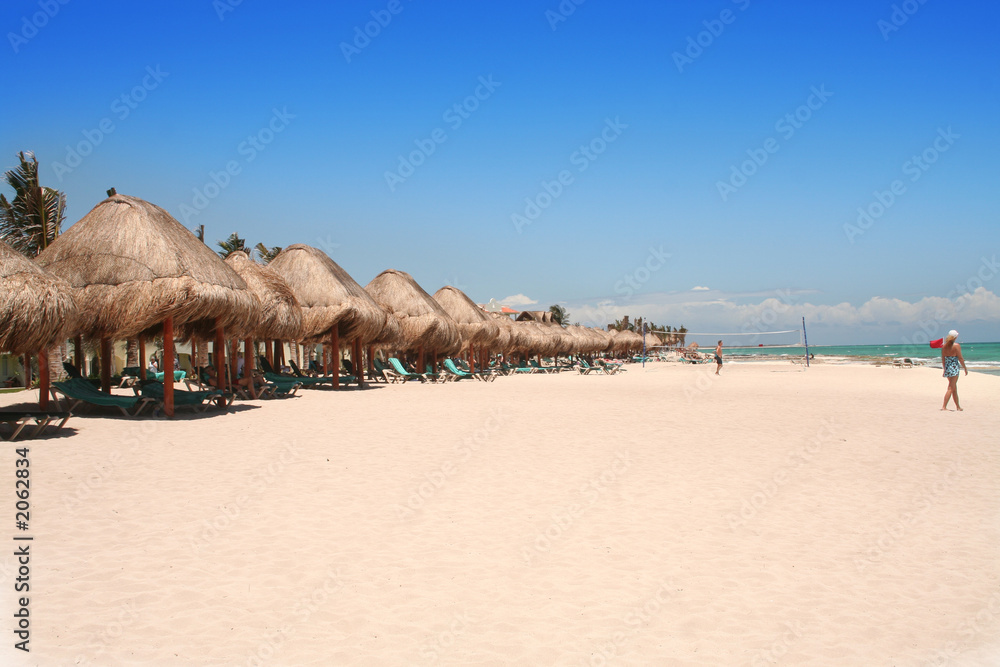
(475, 327)
(652, 339)
(334, 306)
(37, 310)
(138, 272)
(281, 315)
(425, 324)
(506, 340)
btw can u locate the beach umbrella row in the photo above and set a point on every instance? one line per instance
(136, 272)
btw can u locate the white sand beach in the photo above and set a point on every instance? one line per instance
(773, 515)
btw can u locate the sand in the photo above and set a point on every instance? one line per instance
(772, 515)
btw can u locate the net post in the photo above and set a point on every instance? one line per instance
(805, 340)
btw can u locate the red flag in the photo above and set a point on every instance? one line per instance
(936, 344)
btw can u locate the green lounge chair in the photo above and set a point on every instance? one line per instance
(81, 391)
(19, 420)
(401, 372)
(309, 380)
(587, 369)
(458, 373)
(199, 400)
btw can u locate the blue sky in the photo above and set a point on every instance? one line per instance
(725, 145)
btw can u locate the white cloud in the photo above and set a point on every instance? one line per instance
(878, 320)
(699, 288)
(518, 300)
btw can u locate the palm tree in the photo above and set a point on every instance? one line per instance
(267, 254)
(31, 222)
(199, 231)
(559, 314)
(231, 245)
(33, 219)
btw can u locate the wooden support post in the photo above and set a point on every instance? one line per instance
(359, 366)
(220, 359)
(105, 365)
(43, 379)
(78, 360)
(472, 358)
(168, 363)
(142, 358)
(248, 365)
(268, 353)
(371, 361)
(335, 351)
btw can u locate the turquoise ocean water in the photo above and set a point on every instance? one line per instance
(981, 357)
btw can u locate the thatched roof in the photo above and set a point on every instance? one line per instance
(37, 309)
(329, 297)
(133, 265)
(423, 321)
(474, 325)
(281, 316)
(543, 316)
(506, 339)
(653, 339)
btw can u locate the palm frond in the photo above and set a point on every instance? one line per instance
(33, 219)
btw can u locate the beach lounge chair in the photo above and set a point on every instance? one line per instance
(199, 400)
(402, 373)
(19, 421)
(459, 373)
(456, 372)
(178, 376)
(80, 392)
(130, 375)
(309, 380)
(610, 367)
(587, 369)
(542, 369)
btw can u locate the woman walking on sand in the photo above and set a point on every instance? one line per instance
(952, 360)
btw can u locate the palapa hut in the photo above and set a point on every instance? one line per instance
(281, 316)
(476, 328)
(426, 326)
(334, 306)
(37, 310)
(652, 339)
(138, 273)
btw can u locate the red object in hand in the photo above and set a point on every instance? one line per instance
(937, 344)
